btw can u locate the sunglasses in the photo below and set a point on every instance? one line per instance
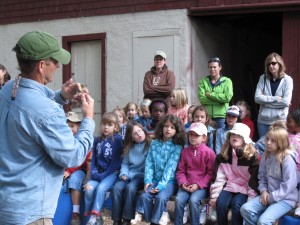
(272, 63)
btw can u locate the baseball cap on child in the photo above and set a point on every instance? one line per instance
(198, 128)
(234, 111)
(38, 45)
(160, 53)
(242, 130)
(73, 117)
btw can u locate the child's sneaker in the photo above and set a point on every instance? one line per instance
(75, 219)
(297, 212)
(165, 219)
(185, 214)
(99, 221)
(212, 214)
(137, 218)
(202, 219)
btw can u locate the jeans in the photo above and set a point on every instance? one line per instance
(94, 197)
(220, 122)
(124, 197)
(262, 129)
(254, 212)
(153, 210)
(194, 200)
(74, 181)
(231, 200)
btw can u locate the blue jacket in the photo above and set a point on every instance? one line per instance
(36, 145)
(133, 163)
(106, 158)
(161, 163)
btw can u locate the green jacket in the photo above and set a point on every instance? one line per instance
(220, 96)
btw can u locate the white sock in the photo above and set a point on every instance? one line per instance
(76, 208)
(93, 219)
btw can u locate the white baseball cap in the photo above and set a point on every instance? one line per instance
(160, 53)
(198, 128)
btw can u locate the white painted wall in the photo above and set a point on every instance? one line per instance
(120, 31)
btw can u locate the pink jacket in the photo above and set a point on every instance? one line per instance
(180, 113)
(236, 175)
(196, 166)
(295, 145)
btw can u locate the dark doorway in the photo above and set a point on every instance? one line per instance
(243, 42)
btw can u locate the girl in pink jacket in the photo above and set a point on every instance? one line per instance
(293, 128)
(194, 174)
(236, 177)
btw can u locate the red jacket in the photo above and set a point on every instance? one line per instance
(83, 166)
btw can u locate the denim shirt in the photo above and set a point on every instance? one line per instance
(36, 145)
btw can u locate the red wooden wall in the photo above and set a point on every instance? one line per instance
(291, 51)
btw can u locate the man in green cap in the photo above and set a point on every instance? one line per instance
(36, 143)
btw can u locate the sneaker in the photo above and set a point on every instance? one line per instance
(99, 221)
(185, 214)
(137, 218)
(202, 219)
(297, 212)
(75, 219)
(212, 214)
(164, 219)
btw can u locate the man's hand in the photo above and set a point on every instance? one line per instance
(87, 106)
(69, 89)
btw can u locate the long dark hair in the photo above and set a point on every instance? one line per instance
(128, 141)
(179, 137)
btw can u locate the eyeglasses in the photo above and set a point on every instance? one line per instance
(272, 63)
(214, 59)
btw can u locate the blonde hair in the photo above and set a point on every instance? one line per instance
(279, 60)
(110, 118)
(246, 105)
(180, 97)
(145, 103)
(125, 119)
(126, 108)
(248, 149)
(280, 135)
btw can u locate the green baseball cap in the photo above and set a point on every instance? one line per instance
(38, 45)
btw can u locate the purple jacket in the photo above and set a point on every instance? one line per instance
(196, 166)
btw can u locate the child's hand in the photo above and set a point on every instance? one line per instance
(193, 187)
(66, 175)
(264, 198)
(154, 190)
(213, 202)
(185, 187)
(146, 186)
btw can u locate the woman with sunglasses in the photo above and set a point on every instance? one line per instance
(273, 93)
(215, 91)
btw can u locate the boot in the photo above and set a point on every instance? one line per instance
(126, 222)
(117, 222)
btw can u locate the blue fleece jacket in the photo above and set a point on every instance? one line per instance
(106, 158)
(133, 163)
(161, 163)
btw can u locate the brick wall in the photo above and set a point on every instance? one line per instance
(16, 11)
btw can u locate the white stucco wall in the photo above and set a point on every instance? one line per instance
(119, 46)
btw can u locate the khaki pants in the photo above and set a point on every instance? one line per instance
(43, 221)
